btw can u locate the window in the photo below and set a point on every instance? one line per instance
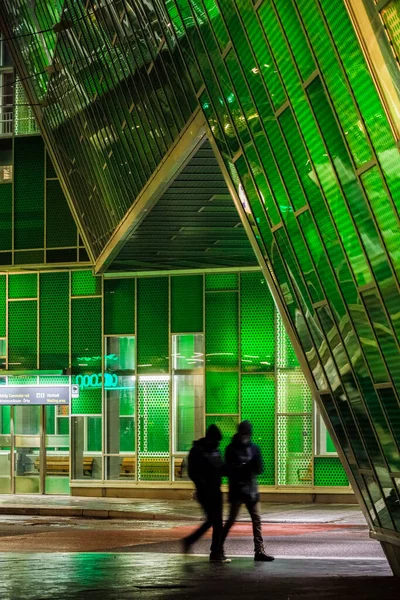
(3, 353)
(120, 400)
(5, 56)
(6, 102)
(6, 159)
(188, 389)
(323, 442)
(86, 447)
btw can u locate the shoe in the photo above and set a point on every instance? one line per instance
(262, 557)
(186, 545)
(219, 558)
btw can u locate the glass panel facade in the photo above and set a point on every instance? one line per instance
(145, 91)
(188, 388)
(127, 426)
(310, 144)
(306, 126)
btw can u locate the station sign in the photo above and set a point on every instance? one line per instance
(34, 394)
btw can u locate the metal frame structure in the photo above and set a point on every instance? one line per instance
(103, 479)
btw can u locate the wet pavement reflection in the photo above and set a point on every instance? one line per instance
(109, 576)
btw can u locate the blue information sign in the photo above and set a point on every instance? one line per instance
(34, 394)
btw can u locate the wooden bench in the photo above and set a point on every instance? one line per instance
(59, 465)
(305, 474)
(151, 466)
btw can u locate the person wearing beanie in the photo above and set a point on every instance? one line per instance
(206, 467)
(243, 464)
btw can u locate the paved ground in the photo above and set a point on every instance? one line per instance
(71, 558)
(49, 534)
(185, 510)
(144, 576)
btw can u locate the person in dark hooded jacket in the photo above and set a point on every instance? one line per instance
(243, 465)
(205, 467)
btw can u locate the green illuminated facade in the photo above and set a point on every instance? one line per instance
(300, 102)
(157, 359)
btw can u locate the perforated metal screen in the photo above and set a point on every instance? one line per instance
(328, 471)
(257, 324)
(119, 306)
(54, 321)
(152, 322)
(258, 406)
(153, 442)
(295, 450)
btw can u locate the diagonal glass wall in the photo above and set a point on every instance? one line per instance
(307, 138)
(113, 92)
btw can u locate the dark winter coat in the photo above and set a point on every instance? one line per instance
(205, 467)
(243, 465)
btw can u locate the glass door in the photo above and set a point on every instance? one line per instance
(28, 451)
(57, 463)
(5, 450)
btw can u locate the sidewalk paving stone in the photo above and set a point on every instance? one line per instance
(171, 510)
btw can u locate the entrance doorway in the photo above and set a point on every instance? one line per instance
(34, 449)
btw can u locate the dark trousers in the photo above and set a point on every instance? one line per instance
(254, 512)
(212, 506)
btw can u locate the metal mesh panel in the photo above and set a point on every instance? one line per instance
(257, 324)
(119, 306)
(222, 392)
(153, 442)
(63, 255)
(6, 190)
(22, 380)
(24, 122)
(293, 392)
(84, 283)
(50, 170)
(295, 450)
(28, 192)
(55, 380)
(22, 335)
(285, 354)
(22, 286)
(88, 403)
(50, 419)
(3, 306)
(6, 258)
(152, 323)
(54, 321)
(258, 406)
(328, 471)
(222, 343)
(29, 257)
(228, 427)
(86, 333)
(60, 226)
(187, 304)
(221, 281)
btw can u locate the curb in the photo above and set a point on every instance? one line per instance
(92, 513)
